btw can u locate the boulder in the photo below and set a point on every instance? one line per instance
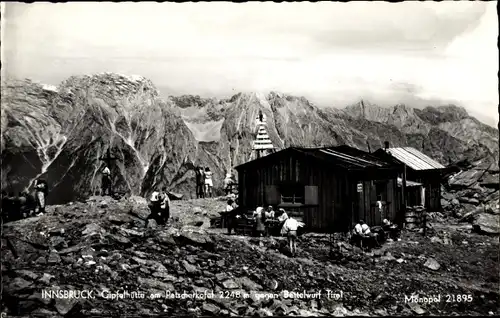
(66, 305)
(168, 236)
(210, 308)
(487, 224)
(54, 258)
(249, 284)
(119, 218)
(195, 236)
(230, 284)
(432, 264)
(472, 201)
(191, 269)
(18, 285)
(92, 229)
(155, 284)
(415, 308)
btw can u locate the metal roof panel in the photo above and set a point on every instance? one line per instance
(414, 158)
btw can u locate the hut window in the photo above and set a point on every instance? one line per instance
(292, 193)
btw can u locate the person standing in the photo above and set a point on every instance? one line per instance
(106, 181)
(208, 182)
(41, 195)
(260, 221)
(289, 229)
(200, 180)
(164, 205)
(201, 185)
(154, 206)
(228, 184)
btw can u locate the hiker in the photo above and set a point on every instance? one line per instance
(208, 182)
(282, 215)
(289, 229)
(229, 215)
(200, 182)
(230, 205)
(228, 183)
(106, 182)
(261, 116)
(41, 190)
(164, 205)
(260, 219)
(154, 206)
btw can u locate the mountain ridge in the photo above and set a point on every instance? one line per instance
(61, 132)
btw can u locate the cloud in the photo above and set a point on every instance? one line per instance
(330, 52)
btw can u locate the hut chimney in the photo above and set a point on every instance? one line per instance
(386, 145)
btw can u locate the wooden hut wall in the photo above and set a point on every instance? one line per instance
(431, 180)
(338, 202)
(364, 208)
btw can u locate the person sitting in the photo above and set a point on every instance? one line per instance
(358, 229)
(391, 229)
(367, 235)
(270, 212)
(357, 233)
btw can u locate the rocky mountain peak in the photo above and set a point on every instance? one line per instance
(61, 134)
(111, 84)
(186, 101)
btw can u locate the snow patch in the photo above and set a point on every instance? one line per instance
(49, 87)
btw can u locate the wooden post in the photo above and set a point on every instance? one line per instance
(403, 191)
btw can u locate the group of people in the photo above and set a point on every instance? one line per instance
(289, 226)
(363, 233)
(24, 204)
(204, 183)
(159, 204)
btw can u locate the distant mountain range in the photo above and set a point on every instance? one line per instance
(61, 132)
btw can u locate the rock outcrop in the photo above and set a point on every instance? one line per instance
(60, 133)
(61, 136)
(101, 246)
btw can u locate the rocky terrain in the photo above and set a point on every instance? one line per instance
(101, 245)
(60, 133)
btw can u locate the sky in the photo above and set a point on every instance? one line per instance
(417, 53)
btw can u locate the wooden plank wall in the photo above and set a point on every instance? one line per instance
(334, 208)
(364, 209)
